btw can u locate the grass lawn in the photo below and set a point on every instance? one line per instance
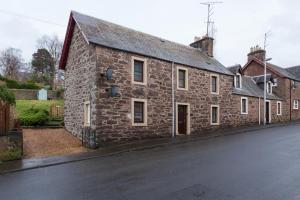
(22, 105)
(32, 113)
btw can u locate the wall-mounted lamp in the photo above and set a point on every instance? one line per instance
(108, 74)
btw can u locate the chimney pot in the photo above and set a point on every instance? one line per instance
(258, 53)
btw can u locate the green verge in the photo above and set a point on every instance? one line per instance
(8, 155)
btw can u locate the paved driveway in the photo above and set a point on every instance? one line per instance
(259, 165)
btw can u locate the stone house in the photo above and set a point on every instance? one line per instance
(286, 81)
(126, 85)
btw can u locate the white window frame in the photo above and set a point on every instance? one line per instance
(87, 113)
(279, 103)
(235, 81)
(296, 104)
(275, 84)
(218, 83)
(144, 70)
(188, 117)
(247, 106)
(218, 117)
(271, 86)
(145, 112)
(186, 78)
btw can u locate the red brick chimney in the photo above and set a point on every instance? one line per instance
(206, 44)
(258, 53)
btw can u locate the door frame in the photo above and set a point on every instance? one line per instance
(270, 111)
(188, 128)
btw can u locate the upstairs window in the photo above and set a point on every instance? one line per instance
(275, 84)
(214, 84)
(238, 81)
(182, 78)
(139, 71)
(244, 105)
(269, 87)
(296, 105)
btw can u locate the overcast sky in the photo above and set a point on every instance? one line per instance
(239, 24)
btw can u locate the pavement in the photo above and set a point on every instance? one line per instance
(33, 163)
(262, 165)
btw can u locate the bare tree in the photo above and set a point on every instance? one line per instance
(54, 46)
(11, 62)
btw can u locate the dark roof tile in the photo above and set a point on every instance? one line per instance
(107, 34)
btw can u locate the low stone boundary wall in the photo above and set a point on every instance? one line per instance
(11, 145)
(25, 94)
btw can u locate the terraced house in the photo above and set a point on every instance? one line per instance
(123, 85)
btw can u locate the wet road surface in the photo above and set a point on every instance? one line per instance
(259, 165)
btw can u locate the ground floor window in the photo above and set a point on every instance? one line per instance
(295, 104)
(139, 112)
(214, 113)
(279, 108)
(87, 113)
(244, 105)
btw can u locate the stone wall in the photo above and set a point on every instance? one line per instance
(111, 116)
(26, 94)
(79, 83)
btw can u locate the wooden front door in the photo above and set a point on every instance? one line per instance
(182, 119)
(267, 112)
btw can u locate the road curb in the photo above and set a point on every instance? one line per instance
(18, 166)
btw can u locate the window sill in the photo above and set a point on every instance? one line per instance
(139, 125)
(139, 83)
(183, 89)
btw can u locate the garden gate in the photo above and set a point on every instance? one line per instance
(4, 118)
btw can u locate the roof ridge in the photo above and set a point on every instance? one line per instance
(122, 26)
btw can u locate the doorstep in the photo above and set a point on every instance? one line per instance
(28, 164)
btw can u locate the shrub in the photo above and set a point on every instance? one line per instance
(7, 96)
(12, 154)
(34, 117)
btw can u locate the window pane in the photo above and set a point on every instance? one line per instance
(279, 108)
(138, 112)
(181, 79)
(214, 115)
(238, 81)
(214, 84)
(244, 105)
(138, 71)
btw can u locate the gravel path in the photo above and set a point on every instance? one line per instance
(50, 142)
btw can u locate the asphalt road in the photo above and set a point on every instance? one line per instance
(253, 166)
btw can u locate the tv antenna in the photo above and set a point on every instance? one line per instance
(210, 12)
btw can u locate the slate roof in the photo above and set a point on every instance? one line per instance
(250, 88)
(261, 79)
(279, 70)
(283, 71)
(110, 35)
(235, 69)
(295, 71)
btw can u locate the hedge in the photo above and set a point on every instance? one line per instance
(12, 84)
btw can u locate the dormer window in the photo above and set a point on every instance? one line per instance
(238, 81)
(275, 84)
(269, 87)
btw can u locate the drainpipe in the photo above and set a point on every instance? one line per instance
(291, 100)
(173, 102)
(259, 111)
